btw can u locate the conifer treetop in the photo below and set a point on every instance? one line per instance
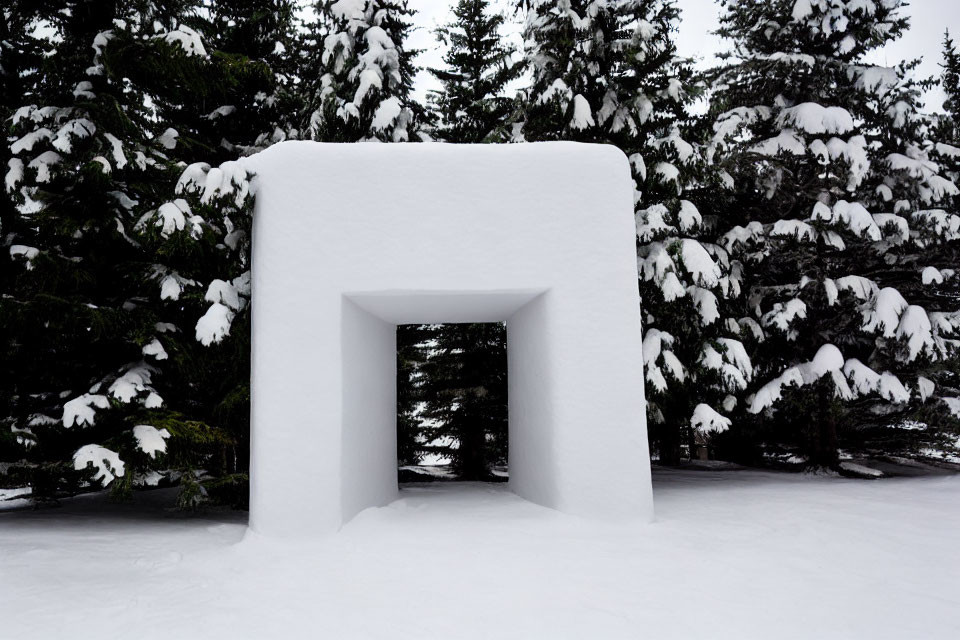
(950, 79)
(364, 91)
(472, 105)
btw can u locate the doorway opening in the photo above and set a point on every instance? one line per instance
(452, 408)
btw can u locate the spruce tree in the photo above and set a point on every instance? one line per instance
(107, 387)
(947, 125)
(944, 257)
(608, 72)
(835, 203)
(87, 160)
(22, 47)
(472, 105)
(456, 395)
(21, 55)
(236, 100)
(950, 80)
(439, 380)
(253, 101)
(409, 356)
(362, 89)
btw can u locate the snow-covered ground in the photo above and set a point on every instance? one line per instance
(733, 554)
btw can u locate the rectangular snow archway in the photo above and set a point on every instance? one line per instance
(352, 240)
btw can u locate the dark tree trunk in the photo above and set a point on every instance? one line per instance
(669, 449)
(823, 432)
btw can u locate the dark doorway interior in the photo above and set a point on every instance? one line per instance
(452, 402)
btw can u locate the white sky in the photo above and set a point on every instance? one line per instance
(699, 17)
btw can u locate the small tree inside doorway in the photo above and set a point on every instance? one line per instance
(452, 400)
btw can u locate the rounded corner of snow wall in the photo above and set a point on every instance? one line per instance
(336, 223)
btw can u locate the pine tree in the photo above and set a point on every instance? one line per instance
(409, 354)
(241, 98)
(362, 89)
(21, 54)
(106, 390)
(948, 125)
(436, 370)
(456, 396)
(835, 211)
(951, 79)
(943, 257)
(254, 44)
(472, 105)
(608, 72)
(84, 158)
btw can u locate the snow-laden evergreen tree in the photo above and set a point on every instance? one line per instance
(454, 400)
(440, 384)
(838, 211)
(21, 53)
(22, 46)
(87, 158)
(950, 81)
(253, 101)
(409, 425)
(948, 124)
(607, 71)
(362, 89)
(473, 105)
(108, 386)
(944, 257)
(245, 100)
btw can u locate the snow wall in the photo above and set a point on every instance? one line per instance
(351, 240)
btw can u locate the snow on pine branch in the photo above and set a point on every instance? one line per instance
(864, 380)
(811, 117)
(363, 60)
(953, 405)
(884, 312)
(213, 184)
(932, 187)
(172, 283)
(706, 304)
(730, 361)
(850, 378)
(934, 276)
(186, 39)
(227, 299)
(155, 349)
(175, 216)
(108, 464)
(705, 419)
(940, 223)
(582, 114)
(29, 254)
(151, 440)
(134, 382)
(221, 192)
(81, 410)
(851, 216)
(658, 359)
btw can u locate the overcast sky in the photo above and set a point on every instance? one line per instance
(929, 18)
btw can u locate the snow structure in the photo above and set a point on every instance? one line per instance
(538, 235)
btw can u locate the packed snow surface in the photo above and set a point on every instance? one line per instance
(734, 554)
